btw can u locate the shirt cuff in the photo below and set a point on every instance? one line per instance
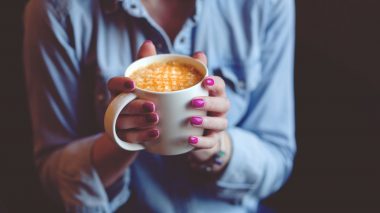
(256, 167)
(69, 172)
(240, 175)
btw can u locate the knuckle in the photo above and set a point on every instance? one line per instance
(132, 108)
(120, 122)
(210, 143)
(210, 152)
(214, 138)
(220, 81)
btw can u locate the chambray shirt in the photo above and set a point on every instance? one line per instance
(73, 47)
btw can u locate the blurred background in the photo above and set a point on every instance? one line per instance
(337, 82)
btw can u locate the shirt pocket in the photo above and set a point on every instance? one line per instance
(241, 78)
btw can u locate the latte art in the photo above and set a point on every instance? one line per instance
(166, 77)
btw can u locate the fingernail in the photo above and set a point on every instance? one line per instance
(153, 133)
(209, 81)
(197, 103)
(192, 140)
(198, 53)
(129, 85)
(148, 107)
(148, 42)
(151, 118)
(195, 120)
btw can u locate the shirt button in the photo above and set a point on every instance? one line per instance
(182, 40)
(133, 6)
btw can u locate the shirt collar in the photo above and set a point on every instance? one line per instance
(135, 7)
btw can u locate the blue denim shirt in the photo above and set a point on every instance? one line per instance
(73, 47)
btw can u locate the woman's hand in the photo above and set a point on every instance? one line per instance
(137, 123)
(212, 150)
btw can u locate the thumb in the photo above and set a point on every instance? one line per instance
(201, 56)
(146, 49)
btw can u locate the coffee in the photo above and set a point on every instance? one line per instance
(166, 76)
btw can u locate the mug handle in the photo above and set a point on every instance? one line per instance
(112, 113)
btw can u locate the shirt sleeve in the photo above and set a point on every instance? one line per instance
(63, 132)
(264, 142)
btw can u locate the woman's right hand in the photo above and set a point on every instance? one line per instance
(138, 121)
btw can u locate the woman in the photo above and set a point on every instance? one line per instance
(75, 48)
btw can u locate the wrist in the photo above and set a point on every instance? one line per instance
(109, 160)
(220, 159)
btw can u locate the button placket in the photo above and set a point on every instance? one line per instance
(161, 46)
(133, 7)
(182, 43)
(182, 40)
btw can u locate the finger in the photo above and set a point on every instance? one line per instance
(211, 123)
(147, 49)
(118, 85)
(211, 104)
(215, 85)
(139, 106)
(203, 142)
(201, 56)
(136, 121)
(201, 155)
(138, 136)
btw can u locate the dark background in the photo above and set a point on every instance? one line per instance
(337, 81)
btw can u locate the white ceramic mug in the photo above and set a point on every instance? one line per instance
(172, 107)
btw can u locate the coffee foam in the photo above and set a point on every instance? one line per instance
(166, 76)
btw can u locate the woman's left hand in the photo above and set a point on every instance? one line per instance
(212, 150)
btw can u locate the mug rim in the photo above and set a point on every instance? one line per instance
(128, 71)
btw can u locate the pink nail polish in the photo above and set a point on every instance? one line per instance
(129, 85)
(195, 120)
(151, 118)
(197, 103)
(192, 140)
(209, 81)
(148, 107)
(198, 53)
(153, 133)
(148, 41)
